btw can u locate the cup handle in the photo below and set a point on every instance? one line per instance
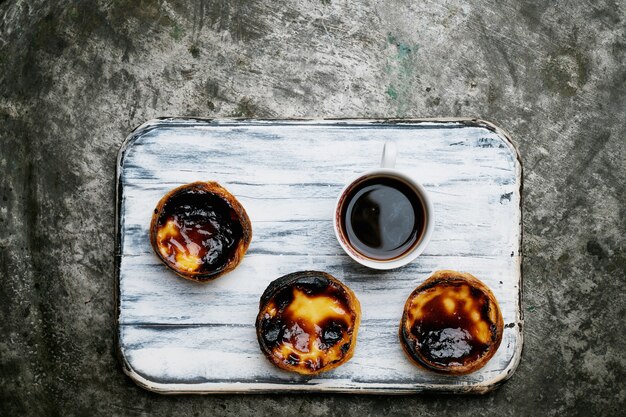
(389, 155)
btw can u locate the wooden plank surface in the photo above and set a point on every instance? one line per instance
(181, 336)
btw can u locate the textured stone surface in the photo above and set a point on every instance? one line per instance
(77, 76)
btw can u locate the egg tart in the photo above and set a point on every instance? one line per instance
(308, 322)
(200, 231)
(451, 324)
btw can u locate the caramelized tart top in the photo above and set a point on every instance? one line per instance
(200, 230)
(451, 323)
(308, 322)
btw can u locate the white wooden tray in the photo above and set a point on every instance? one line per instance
(177, 336)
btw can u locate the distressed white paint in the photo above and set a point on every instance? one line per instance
(179, 336)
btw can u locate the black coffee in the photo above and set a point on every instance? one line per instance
(382, 218)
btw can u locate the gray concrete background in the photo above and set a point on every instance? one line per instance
(76, 77)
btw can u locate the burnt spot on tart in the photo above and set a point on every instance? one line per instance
(200, 231)
(451, 323)
(308, 322)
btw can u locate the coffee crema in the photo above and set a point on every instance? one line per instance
(382, 218)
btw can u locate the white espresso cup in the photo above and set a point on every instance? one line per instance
(384, 218)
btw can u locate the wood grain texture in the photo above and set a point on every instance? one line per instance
(179, 336)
